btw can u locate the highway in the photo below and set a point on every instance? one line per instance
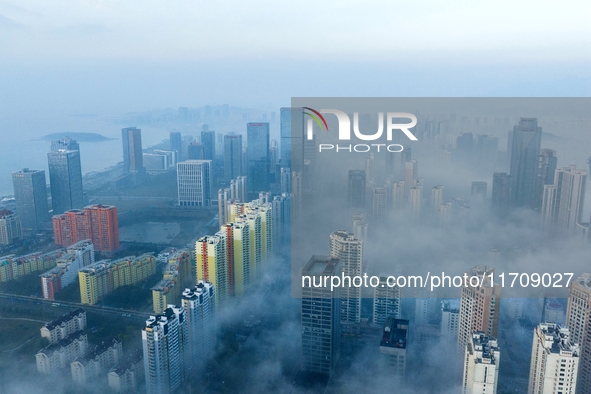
(36, 302)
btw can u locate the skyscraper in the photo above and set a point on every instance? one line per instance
(199, 305)
(578, 320)
(257, 151)
(554, 361)
(208, 142)
(195, 151)
(386, 302)
(320, 317)
(232, 156)
(501, 193)
(10, 227)
(562, 202)
(212, 267)
(30, 194)
(415, 200)
(104, 227)
(436, 198)
(356, 189)
(379, 199)
(65, 177)
(526, 140)
(194, 182)
(481, 365)
(64, 144)
(450, 312)
(164, 340)
(99, 223)
(411, 173)
(349, 252)
(393, 347)
(132, 149)
(547, 162)
(292, 138)
(479, 306)
(176, 144)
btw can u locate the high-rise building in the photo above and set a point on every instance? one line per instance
(320, 317)
(436, 198)
(282, 221)
(481, 365)
(386, 302)
(164, 340)
(212, 267)
(578, 321)
(393, 347)
(356, 189)
(195, 183)
(390, 163)
(450, 312)
(64, 144)
(501, 193)
(554, 361)
(208, 143)
(562, 202)
(176, 144)
(547, 162)
(238, 257)
(479, 190)
(133, 159)
(195, 151)
(97, 222)
(479, 306)
(415, 200)
(349, 252)
(411, 173)
(199, 304)
(30, 194)
(104, 227)
(445, 213)
(65, 177)
(379, 199)
(232, 156)
(526, 140)
(285, 180)
(223, 201)
(238, 189)
(257, 151)
(398, 199)
(369, 167)
(10, 227)
(292, 138)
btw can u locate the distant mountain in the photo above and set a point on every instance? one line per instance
(78, 136)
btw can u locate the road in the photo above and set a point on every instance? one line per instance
(35, 302)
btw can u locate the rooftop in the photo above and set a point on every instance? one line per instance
(395, 333)
(64, 318)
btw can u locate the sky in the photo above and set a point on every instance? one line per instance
(113, 56)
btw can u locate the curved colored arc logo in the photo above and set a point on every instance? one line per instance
(316, 117)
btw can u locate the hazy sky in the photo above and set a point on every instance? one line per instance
(65, 57)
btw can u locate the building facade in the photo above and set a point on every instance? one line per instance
(554, 361)
(65, 178)
(195, 183)
(30, 194)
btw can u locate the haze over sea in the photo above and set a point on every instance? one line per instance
(23, 146)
